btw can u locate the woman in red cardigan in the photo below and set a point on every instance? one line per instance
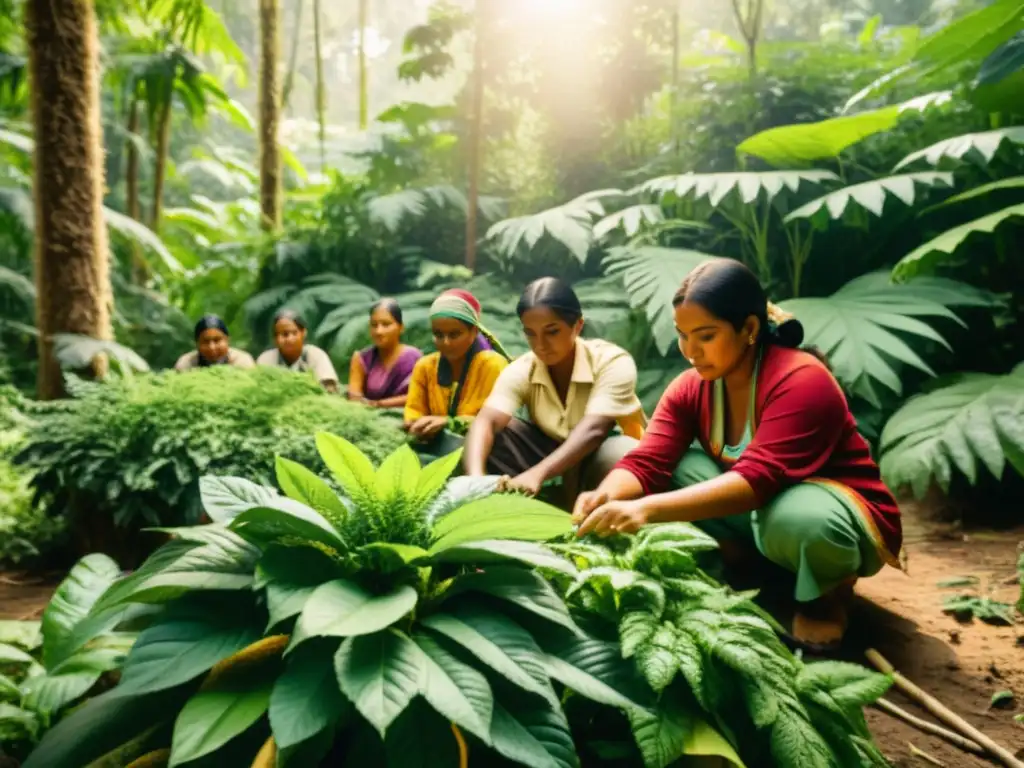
(780, 466)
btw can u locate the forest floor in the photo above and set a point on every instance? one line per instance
(899, 614)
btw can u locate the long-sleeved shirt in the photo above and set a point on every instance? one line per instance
(803, 431)
(431, 389)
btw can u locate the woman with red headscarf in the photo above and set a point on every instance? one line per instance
(455, 381)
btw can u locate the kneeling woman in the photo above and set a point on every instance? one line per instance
(576, 391)
(455, 381)
(781, 466)
(379, 375)
(292, 352)
(213, 347)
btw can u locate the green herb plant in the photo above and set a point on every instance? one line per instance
(725, 683)
(394, 624)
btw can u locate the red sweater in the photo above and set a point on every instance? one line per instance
(803, 431)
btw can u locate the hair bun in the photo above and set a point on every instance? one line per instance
(788, 334)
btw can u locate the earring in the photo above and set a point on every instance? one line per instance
(751, 340)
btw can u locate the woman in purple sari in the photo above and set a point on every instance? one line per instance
(379, 375)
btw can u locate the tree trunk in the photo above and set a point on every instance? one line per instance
(321, 91)
(475, 138)
(269, 108)
(139, 272)
(364, 107)
(162, 143)
(293, 56)
(71, 258)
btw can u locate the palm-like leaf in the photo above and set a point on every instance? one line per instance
(630, 220)
(865, 326)
(971, 147)
(570, 224)
(926, 257)
(132, 231)
(18, 284)
(651, 276)
(968, 420)
(391, 210)
(870, 196)
(76, 352)
(749, 185)
(807, 142)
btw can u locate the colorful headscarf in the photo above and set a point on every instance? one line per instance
(463, 305)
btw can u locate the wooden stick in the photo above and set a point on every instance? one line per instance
(942, 712)
(931, 728)
(925, 756)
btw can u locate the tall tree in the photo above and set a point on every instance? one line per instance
(71, 258)
(364, 96)
(270, 115)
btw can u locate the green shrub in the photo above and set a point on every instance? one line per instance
(133, 450)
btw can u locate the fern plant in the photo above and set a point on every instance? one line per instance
(346, 629)
(715, 661)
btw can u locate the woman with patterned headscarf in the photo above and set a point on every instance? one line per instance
(453, 382)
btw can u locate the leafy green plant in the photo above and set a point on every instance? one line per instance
(341, 627)
(971, 606)
(133, 450)
(42, 681)
(714, 658)
(959, 424)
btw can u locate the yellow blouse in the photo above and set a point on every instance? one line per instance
(428, 398)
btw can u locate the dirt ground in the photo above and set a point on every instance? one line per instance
(898, 614)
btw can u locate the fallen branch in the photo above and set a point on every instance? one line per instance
(925, 756)
(930, 728)
(942, 712)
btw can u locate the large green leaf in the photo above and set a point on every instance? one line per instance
(223, 561)
(490, 552)
(661, 734)
(869, 196)
(195, 635)
(651, 276)
(74, 598)
(285, 519)
(341, 608)
(973, 147)
(455, 689)
(303, 485)
(925, 258)
(349, 465)
(533, 735)
(965, 421)
(1014, 182)
(290, 576)
(73, 677)
(434, 476)
(498, 642)
(380, 674)
(595, 669)
(1000, 83)
(519, 586)
(220, 712)
(571, 225)
(500, 517)
(306, 700)
(398, 475)
(826, 139)
(458, 492)
(630, 220)
(224, 498)
(748, 186)
(862, 326)
(17, 724)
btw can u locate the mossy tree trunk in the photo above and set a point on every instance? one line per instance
(71, 258)
(270, 114)
(162, 142)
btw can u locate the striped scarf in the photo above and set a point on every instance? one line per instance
(463, 305)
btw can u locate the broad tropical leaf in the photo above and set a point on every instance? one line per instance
(380, 674)
(305, 700)
(869, 196)
(963, 422)
(1014, 182)
(925, 258)
(290, 580)
(977, 148)
(74, 677)
(570, 225)
(630, 220)
(651, 276)
(533, 735)
(807, 142)
(519, 586)
(392, 210)
(1000, 83)
(303, 485)
(486, 552)
(134, 232)
(500, 517)
(342, 609)
(283, 517)
(748, 185)
(350, 467)
(224, 498)
(862, 329)
(471, 704)
(71, 603)
(75, 351)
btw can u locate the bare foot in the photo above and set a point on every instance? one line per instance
(823, 622)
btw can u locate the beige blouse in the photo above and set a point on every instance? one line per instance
(236, 357)
(312, 359)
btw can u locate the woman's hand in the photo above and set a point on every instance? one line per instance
(427, 427)
(609, 517)
(528, 482)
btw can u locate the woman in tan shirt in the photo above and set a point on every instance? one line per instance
(292, 352)
(576, 391)
(213, 347)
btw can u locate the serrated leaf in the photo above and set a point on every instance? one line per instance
(749, 186)
(975, 147)
(342, 608)
(636, 628)
(870, 196)
(657, 658)
(380, 674)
